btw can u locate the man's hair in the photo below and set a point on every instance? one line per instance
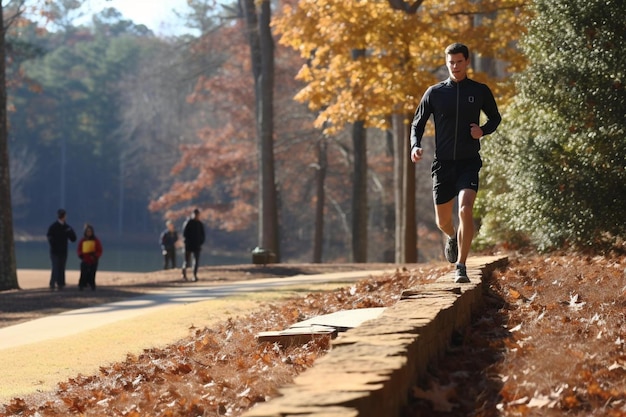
(60, 213)
(458, 48)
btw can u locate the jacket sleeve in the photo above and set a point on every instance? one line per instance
(421, 116)
(490, 108)
(70, 233)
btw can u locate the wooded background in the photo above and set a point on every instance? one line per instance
(286, 123)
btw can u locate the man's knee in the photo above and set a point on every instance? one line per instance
(466, 212)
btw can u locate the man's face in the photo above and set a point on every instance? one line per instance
(457, 66)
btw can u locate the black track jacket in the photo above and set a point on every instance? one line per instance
(454, 107)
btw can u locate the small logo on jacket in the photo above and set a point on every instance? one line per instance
(470, 99)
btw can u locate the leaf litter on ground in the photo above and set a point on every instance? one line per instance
(550, 341)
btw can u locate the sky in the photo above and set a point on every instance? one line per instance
(157, 15)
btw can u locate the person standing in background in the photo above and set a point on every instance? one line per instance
(193, 234)
(168, 240)
(89, 251)
(58, 235)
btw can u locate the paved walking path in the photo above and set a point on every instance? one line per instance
(40, 353)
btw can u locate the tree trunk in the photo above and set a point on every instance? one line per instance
(410, 231)
(399, 159)
(404, 177)
(359, 185)
(262, 55)
(322, 165)
(8, 267)
(359, 193)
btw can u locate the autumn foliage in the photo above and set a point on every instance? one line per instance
(220, 169)
(403, 52)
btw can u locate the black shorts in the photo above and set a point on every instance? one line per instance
(450, 177)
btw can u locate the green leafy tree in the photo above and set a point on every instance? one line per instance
(76, 116)
(557, 174)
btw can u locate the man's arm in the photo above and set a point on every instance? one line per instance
(70, 233)
(490, 108)
(421, 116)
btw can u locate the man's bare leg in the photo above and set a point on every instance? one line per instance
(443, 217)
(466, 223)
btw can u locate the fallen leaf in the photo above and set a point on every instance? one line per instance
(541, 401)
(574, 302)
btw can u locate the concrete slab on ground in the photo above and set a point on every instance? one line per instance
(327, 325)
(342, 320)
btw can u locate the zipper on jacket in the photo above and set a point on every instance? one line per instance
(456, 121)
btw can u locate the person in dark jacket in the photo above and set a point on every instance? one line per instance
(456, 105)
(58, 235)
(193, 235)
(89, 251)
(168, 240)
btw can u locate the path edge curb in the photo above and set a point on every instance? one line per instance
(371, 368)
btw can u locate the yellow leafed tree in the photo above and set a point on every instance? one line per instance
(404, 50)
(370, 61)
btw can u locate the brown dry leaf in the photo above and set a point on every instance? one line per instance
(570, 402)
(514, 293)
(595, 390)
(16, 406)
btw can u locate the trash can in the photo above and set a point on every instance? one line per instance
(262, 256)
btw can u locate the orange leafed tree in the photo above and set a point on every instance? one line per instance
(220, 172)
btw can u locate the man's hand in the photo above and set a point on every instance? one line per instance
(416, 154)
(476, 131)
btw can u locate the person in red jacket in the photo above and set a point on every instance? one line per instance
(89, 251)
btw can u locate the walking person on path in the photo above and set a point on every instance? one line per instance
(168, 240)
(58, 235)
(456, 106)
(89, 251)
(193, 234)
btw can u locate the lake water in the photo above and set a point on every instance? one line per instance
(127, 258)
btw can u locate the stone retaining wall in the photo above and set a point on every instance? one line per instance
(371, 368)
